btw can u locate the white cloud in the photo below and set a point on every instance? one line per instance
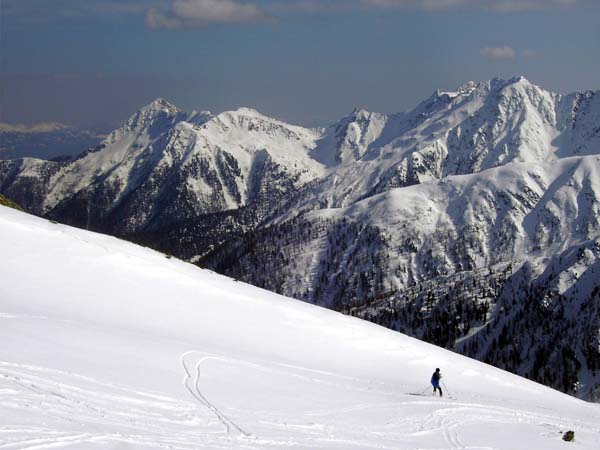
(505, 52)
(157, 19)
(189, 13)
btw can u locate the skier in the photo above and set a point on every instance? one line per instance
(435, 381)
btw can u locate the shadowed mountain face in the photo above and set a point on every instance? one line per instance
(471, 221)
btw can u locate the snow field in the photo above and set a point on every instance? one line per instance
(107, 345)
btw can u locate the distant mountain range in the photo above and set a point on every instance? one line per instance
(471, 221)
(44, 140)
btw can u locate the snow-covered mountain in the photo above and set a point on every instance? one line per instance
(480, 126)
(455, 261)
(117, 346)
(472, 217)
(165, 169)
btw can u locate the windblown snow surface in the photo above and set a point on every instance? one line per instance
(104, 344)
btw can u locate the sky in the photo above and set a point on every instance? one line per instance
(92, 63)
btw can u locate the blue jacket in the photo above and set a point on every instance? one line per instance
(435, 379)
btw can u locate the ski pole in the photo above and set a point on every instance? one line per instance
(425, 390)
(446, 388)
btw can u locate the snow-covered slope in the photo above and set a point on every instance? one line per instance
(104, 344)
(438, 260)
(348, 140)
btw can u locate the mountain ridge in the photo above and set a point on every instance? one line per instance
(397, 218)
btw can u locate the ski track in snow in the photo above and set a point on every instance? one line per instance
(72, 403)
(193, 387)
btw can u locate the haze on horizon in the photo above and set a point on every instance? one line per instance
(91, 63)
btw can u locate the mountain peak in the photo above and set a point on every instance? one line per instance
(160, 104)
(159, 110)
(519, 79)
(359, 114)
(199, 117)
(246, 116)
(463, 90)
(497, 84)
(247, 111)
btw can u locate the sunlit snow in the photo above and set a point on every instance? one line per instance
(107, 345)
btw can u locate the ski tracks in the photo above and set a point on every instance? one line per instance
(450, 430)
(191, 382)
(453, 420)
(45, 408)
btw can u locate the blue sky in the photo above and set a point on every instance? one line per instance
(91, 63)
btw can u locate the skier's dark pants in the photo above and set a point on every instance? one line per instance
(436, 388)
